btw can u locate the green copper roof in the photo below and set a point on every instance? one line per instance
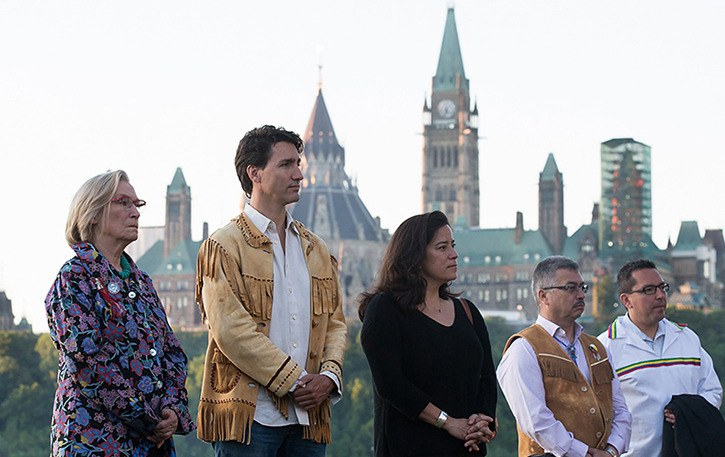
(152, 258)
(181, 260)
(550, 169)
(450, 62)
(488, 247)
(178, 183)
(588, 233)
(689, 236)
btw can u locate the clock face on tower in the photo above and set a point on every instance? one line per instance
(446, 108)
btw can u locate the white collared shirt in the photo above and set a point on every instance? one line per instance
(519, 375)
(289, 327)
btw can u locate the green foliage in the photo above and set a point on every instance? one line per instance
(48, 354)
(194, 343)
(28, 365)
(190, 445)
(25, 415)
(18, 361)
(352, 417)
(607, 297)
(26, 397)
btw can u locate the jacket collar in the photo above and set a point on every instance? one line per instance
(622, 328)
(256, 239)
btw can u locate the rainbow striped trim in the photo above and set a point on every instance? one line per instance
(694, 361)
(612, 330)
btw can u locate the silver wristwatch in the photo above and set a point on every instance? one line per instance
(442, 418)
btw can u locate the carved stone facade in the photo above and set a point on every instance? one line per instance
(330, 206)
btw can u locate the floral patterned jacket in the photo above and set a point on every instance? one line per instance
(119, 362)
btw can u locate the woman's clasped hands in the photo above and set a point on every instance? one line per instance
(472, 431)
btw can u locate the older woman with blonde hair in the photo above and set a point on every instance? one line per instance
(121, 371)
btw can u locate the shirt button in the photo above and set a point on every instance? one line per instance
(289, 290)
(584, 389)
(159, 384)
(294, 345)
(599, 434)
(152, 352)
(132, 294)
(592, 411)
(294, 317)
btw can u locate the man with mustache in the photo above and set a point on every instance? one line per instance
(654, 358)
(558, 380)
(269, 291)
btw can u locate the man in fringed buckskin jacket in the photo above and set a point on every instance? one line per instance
(269, 292)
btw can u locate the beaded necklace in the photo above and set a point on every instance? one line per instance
(126, 268)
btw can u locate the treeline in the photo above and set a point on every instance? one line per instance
(28, 367)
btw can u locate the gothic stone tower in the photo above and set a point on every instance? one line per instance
(178, 212)
(551, 205)
(331, 207)
(450, 138)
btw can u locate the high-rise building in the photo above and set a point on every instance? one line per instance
(551, 205)
(450, 138)
(626, 199)
(330, 206)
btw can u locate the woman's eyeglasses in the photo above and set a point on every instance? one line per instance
(127, 203)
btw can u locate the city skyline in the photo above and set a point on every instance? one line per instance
(147, 88)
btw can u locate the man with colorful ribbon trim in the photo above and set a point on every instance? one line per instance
(654, 358)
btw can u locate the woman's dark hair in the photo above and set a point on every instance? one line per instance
(254, 149)
(400, 273)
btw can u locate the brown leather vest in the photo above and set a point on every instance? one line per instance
(584, 409)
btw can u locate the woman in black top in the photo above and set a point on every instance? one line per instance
(429, 353)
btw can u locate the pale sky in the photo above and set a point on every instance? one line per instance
(149, 86)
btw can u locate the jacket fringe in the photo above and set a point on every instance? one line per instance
(211, 255)
(259, 302)
(555, 368)
(323, 297)
(225, 422)
(281, 403)
(319, 428)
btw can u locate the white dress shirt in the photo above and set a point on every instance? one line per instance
(522, 383)
(289, 327)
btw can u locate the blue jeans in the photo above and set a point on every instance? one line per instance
(271, 442)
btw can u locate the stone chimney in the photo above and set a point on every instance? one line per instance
(519, 230)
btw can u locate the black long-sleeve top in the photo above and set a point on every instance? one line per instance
(414, 361)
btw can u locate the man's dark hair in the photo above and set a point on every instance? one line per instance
(255, 148)
(625, 281)
(545, 272)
